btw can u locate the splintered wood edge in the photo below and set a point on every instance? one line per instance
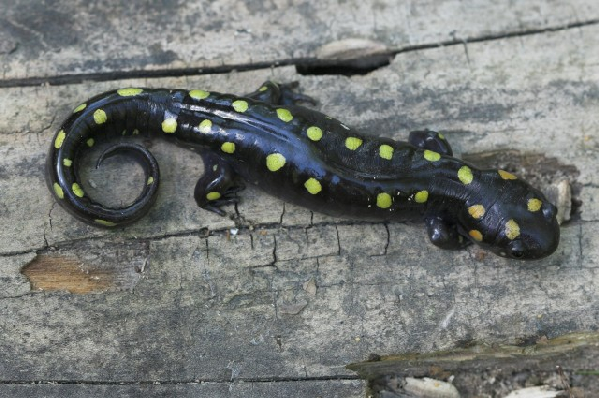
(566, 351)
(57, 272)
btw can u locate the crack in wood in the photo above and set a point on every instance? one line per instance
(186, 382)
(361, 65)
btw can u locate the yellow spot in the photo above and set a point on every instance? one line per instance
(240, 106)
(534, 204)
(353, 143)
(476, 235)
(465, 175)
(476, 211)
(263, 88)
(431, 156)
(314, 133)
(441, 136)
(205, 126)
(58, 191)
(169, 125)
(79, 108)
(213, 195)
(313, 185)
(228, 147)
(100, 116)
(67, 162)
(150, 180)
(421, 197)
(77, 190)
(505, 175)
(384, 200)
(199, 94)
(284, 115)
(135, 132)
(128, 92)
(90, 142)
(59, 139)
(105, 223)
(124, 132)
(275, 161)
(386, 151)
(512, 229)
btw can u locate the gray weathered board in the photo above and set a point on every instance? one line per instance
(275, 300)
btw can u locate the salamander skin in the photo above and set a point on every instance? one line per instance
(306, 158)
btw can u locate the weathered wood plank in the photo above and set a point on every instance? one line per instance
(486, 110)
(79, 37)
(301, 299)
(506, 368)
(282, 389)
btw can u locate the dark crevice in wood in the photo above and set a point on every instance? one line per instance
(306, 66)
(184, 382)
(345, 67)
(77, 78)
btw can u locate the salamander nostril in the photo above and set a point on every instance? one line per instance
(549, 211)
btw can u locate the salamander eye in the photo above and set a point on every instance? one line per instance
(516, 249)
(517, 254)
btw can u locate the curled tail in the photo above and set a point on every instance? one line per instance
(115, 112)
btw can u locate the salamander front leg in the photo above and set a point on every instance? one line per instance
(217, 187)
(280, 94)
(444, 235)
(430, 140)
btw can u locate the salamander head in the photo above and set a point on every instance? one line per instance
(512, 219)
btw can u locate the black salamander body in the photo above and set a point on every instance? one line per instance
(306, 158)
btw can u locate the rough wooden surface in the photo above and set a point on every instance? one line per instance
(191, 388)
(80, 37)
(277, 299)
(506, 368)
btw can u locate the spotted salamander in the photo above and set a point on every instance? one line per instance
(306, 158)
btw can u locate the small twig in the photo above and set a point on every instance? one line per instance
(564, 380)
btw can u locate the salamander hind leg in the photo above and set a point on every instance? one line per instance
(430, 140)
(217, 187)
(280, 94)
(444, 235)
